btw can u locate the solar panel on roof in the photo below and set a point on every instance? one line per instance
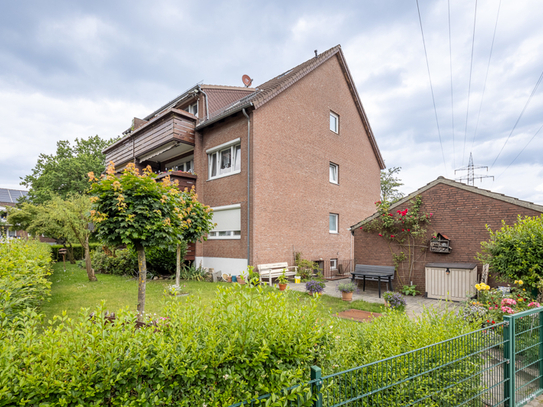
(4, 196)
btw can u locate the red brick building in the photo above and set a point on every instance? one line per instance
(9, 198)
(287, 166)
(460, 212)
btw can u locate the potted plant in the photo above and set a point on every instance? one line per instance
(314, 287)
(282, 281)
(347, 290)
(394, 300)
(241, 278)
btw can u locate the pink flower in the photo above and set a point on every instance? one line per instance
(507, 310)
(508, 301)
(534, 304)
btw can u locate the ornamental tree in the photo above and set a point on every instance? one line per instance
(135, 209)
(406, 228)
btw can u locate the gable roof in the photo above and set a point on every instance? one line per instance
(459, 185)
(268, 90)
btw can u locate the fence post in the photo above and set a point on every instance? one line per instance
(540, 349)
(509, 355)
(316, 387)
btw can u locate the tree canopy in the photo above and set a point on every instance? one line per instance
(389, 185)
(135, 209)
(62, 219)
(65, 172)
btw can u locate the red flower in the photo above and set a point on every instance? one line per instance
(360, 227)
(493, 322)
(403, 230)
(407, 230)
(390, 214)
(391, 235)
(380, 234)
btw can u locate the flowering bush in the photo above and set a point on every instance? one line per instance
(493, 305)
(347, 287)
(314, 286)
(395, 300)
(406, 228)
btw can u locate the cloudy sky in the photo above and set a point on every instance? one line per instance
(75, 69)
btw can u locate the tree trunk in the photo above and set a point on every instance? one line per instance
(71, 253)
(90, 271)
(142, 280)
(178, 266)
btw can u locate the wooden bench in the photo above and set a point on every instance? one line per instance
(274, 270)
(374, 273)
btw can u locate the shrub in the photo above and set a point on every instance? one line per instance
(395, 300)
(123, 262)
(164, 260)
(249, 342)
(315, 286)
(515, 252)
(24, 267)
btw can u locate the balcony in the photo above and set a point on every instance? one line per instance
(184, 179)
(164, 136)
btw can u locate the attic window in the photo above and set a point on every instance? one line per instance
(192, 109)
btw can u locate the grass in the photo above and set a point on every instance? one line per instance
(71, 290)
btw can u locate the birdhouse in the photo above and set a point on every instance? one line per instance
(440, 244)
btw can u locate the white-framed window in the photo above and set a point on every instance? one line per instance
(192, 109)
(224, 160)
(334, 173)
(183, 164)
(227, 222)
(333, 264)
(334, 122)
(334, 221)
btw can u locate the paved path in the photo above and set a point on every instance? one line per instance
(415, 305)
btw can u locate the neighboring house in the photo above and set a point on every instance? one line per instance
(460, 213)
(287, 166)
(9, 197)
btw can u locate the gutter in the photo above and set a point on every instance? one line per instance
(207, 106)
(248, 186)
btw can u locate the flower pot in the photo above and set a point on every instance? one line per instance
(241, 280)
(311, 293)
(347, 296)
(282, 287)
(297, 279)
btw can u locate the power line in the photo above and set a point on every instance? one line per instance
(536, 133)
(518, 120)
(469, 85)
(431, 87)
(452, 93)
(486, 75)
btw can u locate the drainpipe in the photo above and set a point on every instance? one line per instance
(207, 106)
(248, 185)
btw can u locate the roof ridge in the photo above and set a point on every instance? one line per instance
(460, 185)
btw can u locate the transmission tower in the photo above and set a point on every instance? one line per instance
(470, 178)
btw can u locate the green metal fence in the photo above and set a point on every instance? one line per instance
(499, 365)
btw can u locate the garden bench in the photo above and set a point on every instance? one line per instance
(274, 270)
(374, 273)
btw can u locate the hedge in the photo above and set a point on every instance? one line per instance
(250, 342)
(24, 267)
(78, 250)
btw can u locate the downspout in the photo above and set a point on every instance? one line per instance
(207, 106)
(248, 186)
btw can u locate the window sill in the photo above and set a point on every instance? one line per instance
(223, 237)
(334, 183)
(224, 175)
(334, 233)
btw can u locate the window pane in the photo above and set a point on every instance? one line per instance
(333, 122)
(213, 165)
(333, 222)
(237, 160)
(333, 173)
(226, 161)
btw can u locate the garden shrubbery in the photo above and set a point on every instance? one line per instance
(122, 262)
(250, 342)
(77, 249)
(24, 267)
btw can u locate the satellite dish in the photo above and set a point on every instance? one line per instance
(246, 80)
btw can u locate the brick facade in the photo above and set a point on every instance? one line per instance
(460, 212)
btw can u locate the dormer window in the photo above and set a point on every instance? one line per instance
(192, 109)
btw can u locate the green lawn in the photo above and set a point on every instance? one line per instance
(71, 290)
